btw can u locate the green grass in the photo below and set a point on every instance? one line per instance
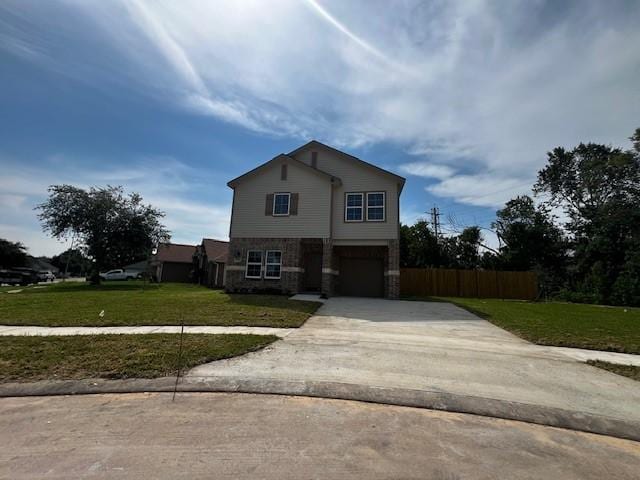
(594, 327)
(630, 371)
(128, 303)
(115, 356)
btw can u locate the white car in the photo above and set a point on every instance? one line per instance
(46, 276)
(118, 274)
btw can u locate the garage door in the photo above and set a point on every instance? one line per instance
(176, 272)
(361, 277)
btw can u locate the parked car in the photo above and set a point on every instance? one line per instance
(11, 277)
(18, 276)
(46, 276)
(119, 274)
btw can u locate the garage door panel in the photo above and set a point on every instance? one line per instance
(361, 277)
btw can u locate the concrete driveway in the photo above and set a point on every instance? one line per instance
(402, 349)
(237, 436)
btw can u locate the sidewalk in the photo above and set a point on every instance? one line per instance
(8, 331)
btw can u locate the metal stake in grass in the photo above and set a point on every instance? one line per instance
(175, 387)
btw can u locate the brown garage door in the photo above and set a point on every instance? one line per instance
(176, 272)
(361, 277)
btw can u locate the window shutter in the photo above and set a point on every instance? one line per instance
(283, 172)
(293, 207)
(268, 206)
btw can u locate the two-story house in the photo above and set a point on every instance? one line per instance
(315, 220)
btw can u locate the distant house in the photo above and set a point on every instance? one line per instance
(209, 262)
(173, 262)
(138, 267)
(41, 264)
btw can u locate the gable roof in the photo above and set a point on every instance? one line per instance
(281, 157)
(315, 143)
(216, 250)
(175, 252)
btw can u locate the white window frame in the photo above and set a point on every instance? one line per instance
(347, 207)
(267, 263)
(383, 206)
(275, 195)
(246, 268)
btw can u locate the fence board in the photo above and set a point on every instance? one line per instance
(441, 282)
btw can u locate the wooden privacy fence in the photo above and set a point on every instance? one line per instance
(439, 282)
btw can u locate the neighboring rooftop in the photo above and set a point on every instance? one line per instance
(175, 252)
(216, 250)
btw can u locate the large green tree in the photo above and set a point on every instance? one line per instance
(112, 228)
(419, 246)
(530, 240)
(12, 254)
(598, 187)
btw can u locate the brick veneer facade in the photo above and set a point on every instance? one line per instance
(290, 280)
(392, 271)
(292, 269)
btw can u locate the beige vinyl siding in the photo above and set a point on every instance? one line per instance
(314, 199)
(357, 177)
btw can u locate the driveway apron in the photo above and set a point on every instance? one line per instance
(428, 347)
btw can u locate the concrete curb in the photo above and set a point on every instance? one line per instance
(434, 400)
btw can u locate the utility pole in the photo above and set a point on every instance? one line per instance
(435, 221)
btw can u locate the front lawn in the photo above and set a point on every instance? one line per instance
(115, 356)
(615, 329)
(133, 303)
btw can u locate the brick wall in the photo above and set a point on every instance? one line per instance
(290, 275)
(392, 277)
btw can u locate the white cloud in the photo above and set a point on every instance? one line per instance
(427, 170)
(473, 86)
(484, 190)
(164, 182)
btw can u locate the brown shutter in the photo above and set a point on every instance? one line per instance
(268, 206)
(293, 208)
(283, 172)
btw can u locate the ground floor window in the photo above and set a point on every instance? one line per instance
(273, 264)
(254, 264)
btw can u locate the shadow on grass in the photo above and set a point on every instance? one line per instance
(273, 301)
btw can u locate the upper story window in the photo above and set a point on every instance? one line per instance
(375, 207)
(281, 203)
(353, 207)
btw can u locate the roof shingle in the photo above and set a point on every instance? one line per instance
(175, 252)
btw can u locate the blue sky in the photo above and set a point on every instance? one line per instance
(173, 99)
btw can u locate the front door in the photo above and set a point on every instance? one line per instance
(313, 272)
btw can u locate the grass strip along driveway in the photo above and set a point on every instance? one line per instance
(595, 327)
(116, 356)
(133, 303)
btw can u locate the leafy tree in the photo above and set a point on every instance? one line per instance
(112, 228)
(419, 246)
(598, 187)
(73, 261)
(12, 254)
(531, 241)
(466, 248)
